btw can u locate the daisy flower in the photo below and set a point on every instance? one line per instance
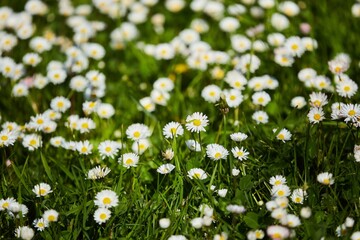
(7, 138)
(277, 180)
(85, 125)
(240, 153)
(164, 84)
(24, 232)
(280, 191)
(351, 112)
(233, 97)
(298, 196)
(101, 215)
(168, 154)
(129, 160)
(32, 141)
(260, 117)
(216, 151)
(164, 223)
(42, 189)
(325, 178)
(284, 135)
(108, 149)
(291, 221)
(338, 66)
(140, 146)
(5, 203)
(165, 168)
(236, 80)
(316, 115)
(40, 224)
(84, 147)
(318, 99)
(238, 209)
(138, 131)
(106, 199)
(238, 136)
(147, 104)
(197, 173)
(346, 88)
(298, 102)
(261, 98)
(211, 93)
(196, 122)
(50, 215)
(105, 110)
(60, 104)
(98, 172)
(173, 129)
(277, 232)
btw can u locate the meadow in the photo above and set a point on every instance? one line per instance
(179, 119)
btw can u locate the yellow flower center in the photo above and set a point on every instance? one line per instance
(240, 153)
(276, 235)
(218, 155)
(326, 181)
(277, 182)
(4, 138)
(32, 142)
(129, 161)
(280, 193)
(103, 216)
(60, 104)
(232, 97)
(173, 130)
(261, 100)
(281, 136)
(5, 205)
(317, 116)
(42, 191)
(317, 103)
(106, 200)
(347, 88)
(197, 122)
(337, 69)
(40, 121)
(136, 134)
(85, 125)
(51, 218)
(83, 149)
(297, 199)
(108, 149)
(237, 84)
(40, 224)
(197, 175)
(212, 94)
(351, 112)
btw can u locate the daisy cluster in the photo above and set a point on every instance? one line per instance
(180, 116)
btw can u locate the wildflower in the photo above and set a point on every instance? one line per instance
(89, 107)
(105, 110)
(291, 221)
(85, 125)
(50, 215)
(283, 135)
(240, 153)
(164, 84)
(78, 83)
(164, 223)
(193, 145)
(138, 131)
(341, 230)
(147, 104)
(168, 154)
(60, 104)
(238, 209)
(351, 112)
(197, 222)
(316, 115)
(165, 168)
(101, 215)
(211, 93)
(298, 102)
(32, 141)
(129, 160)
(216, 152)
(305, 212)
(294, 46)
(235, 172)
(20, 90)
(32, 59)
(98, 172)
(222, 192)
(260, 117)
(229, 24)
(233, 97)
(172, 130)
(325, 178)
(271, 205)
(248, 63)
(222, 236)
(318, 99)
(236, 80)
(240, 43)
(349, 222)
(196, 122)
(108, 149)
(84, 147)
(279, 21)
(277, 180)
(238, 136)
(56, 76)
(197, 173)
(177, 237)
(7, 138)
(282, 202)
(40, 224)
(298, 196)
(280, 191)
(346, 88)
(24, 232)
(5, 203)
(338, 66)
(106, 199)
(277, 232)
(140, 146)
(42, 189)
(164, 51)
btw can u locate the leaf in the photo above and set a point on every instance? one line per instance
(251, 220)
(46, 167)
(246, 182)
